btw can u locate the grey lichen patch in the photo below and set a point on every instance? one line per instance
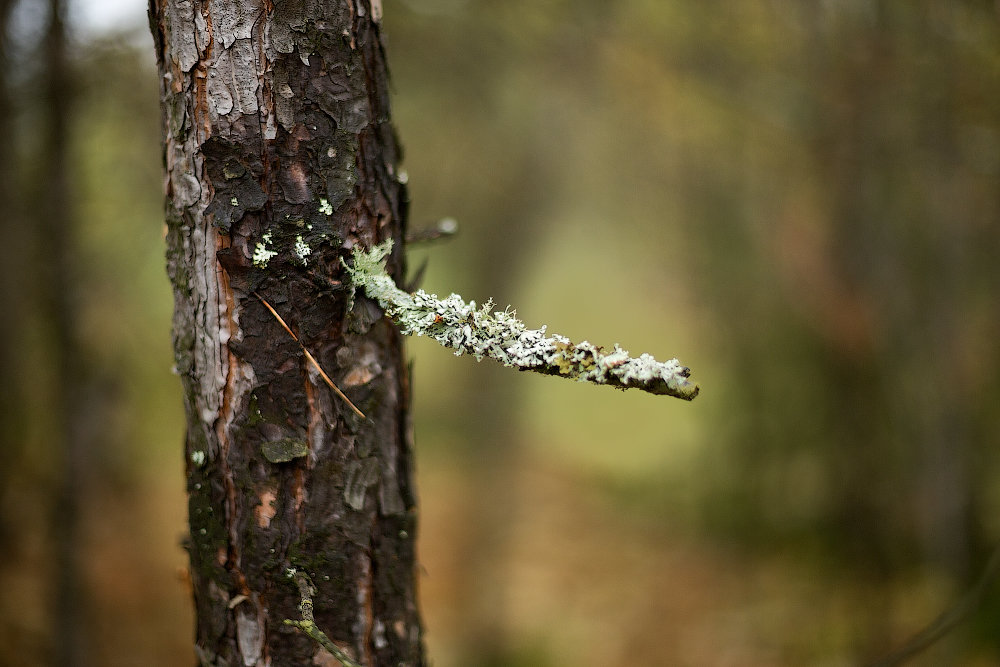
(262, 253)
(284, 450)
(301, 250)
(483, 332)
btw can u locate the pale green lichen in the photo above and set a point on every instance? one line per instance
(325, 208)
(308, 622)
(261, 253)
(483, 332)
(302, 251)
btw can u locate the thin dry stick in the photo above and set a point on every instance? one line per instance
(947, 621)
(308, 622)
(309, 356)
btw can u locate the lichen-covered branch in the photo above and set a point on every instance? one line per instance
(308, 624)
(484, 332)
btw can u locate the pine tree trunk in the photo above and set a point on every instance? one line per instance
(279, 158)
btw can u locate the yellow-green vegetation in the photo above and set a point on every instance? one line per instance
(307, 624)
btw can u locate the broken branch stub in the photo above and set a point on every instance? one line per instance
(485, 332)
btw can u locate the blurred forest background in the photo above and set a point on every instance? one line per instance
(799, 199)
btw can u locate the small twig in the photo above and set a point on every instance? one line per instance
(444, 228)
(466, 328)
(947, 621)
(309, 356)
(308, 623)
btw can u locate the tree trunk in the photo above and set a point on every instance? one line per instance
(72, 399)
(279, 158)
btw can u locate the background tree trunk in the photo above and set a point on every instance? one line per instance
(278, 149)
(76, 401)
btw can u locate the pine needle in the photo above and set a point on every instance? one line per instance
(309, 356)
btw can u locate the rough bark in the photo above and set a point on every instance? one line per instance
(278, 148)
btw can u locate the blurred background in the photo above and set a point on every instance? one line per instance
(799, 199)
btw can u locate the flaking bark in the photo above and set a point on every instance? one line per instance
(277, 135)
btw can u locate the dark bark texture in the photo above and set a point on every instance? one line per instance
(277, 140)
